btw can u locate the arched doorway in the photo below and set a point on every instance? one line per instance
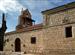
(17, 45)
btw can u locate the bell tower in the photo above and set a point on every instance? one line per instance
(25, 20)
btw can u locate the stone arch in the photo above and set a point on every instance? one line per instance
(17, 45)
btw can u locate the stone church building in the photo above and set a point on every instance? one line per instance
(55, 36)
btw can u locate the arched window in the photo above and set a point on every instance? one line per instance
(17, 45)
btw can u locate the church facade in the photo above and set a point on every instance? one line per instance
(56, 35)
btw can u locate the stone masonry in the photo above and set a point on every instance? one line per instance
(51, 38)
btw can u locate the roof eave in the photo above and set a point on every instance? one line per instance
(60, 8)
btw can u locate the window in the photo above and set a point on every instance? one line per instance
(33, 40)
(68, 31)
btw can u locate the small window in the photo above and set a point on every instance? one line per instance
(68, 31)
(33, 40)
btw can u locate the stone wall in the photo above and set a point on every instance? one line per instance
(55, 38)
(25, 38)
(59, 17)
(51, 39)
(48, 38)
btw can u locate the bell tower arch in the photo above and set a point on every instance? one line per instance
(25, 20)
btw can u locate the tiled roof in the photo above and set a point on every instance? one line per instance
(31, 28)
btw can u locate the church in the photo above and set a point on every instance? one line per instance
(55, 36)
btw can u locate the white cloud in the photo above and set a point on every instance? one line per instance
(33, 4)
(30, 4)
(10, 5)
(56, 1)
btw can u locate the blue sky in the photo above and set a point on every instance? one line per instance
(12, 9)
